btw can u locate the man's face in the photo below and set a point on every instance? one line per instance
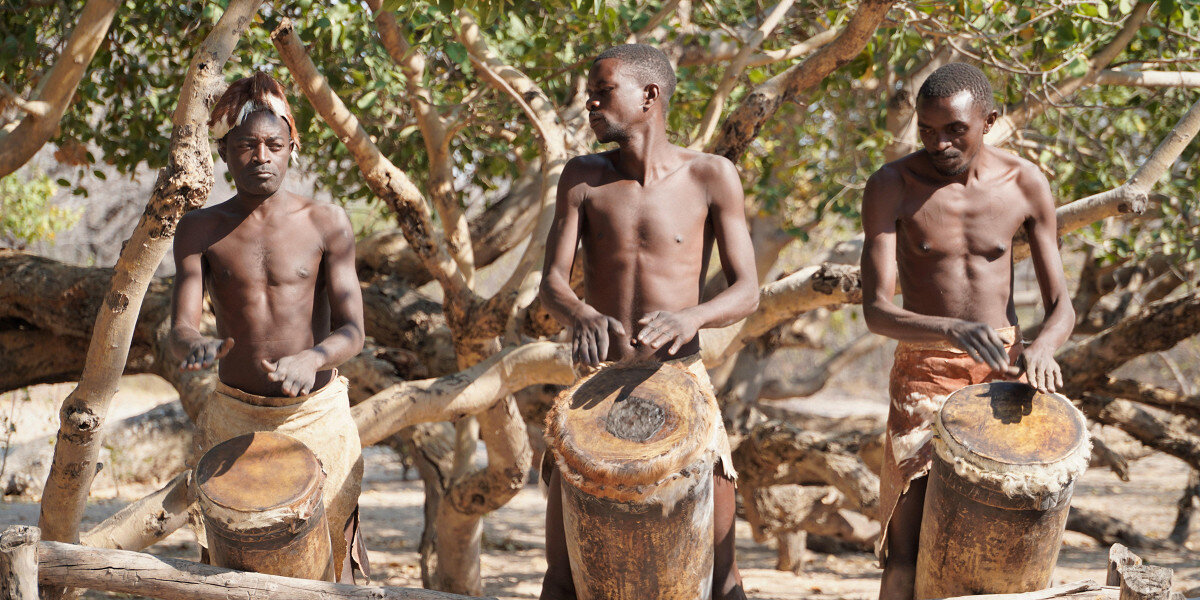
(952, 129)
(615, 101)
(257, 152)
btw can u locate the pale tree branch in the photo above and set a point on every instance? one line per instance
(34, 108)
(1149, 394)
(467, 392)
(744, 124)
(1152, 79)
(436, 134)
(715, 53)
(518, 289)
(182, 185)
(1036, 104)
(712, 113)
(45, 109)
(388, 182)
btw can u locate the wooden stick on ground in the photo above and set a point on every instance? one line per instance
(1079, 590)
(1145, 582)
(171, 579)
(18, 563)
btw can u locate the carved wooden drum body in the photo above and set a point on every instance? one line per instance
(635, 446)
(1005, 461)
(260, 495)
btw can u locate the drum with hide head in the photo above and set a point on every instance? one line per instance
(1006, 457)
(260, 495)
(635, 446)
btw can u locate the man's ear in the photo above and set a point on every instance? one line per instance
(990, 120)
(650, 95)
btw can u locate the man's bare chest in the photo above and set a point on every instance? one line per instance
(667, 217)
(961, 222)
(255, 259)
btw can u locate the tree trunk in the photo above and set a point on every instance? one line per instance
(147, 521)
(183, 185)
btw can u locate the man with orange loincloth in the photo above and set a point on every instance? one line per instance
(646, 214)
(279, 269)
(942, 221)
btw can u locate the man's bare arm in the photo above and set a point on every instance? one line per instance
(1042, 230)
(590, 330)
(736, 251)
(880, 209)
(194, 350)
(298, 371)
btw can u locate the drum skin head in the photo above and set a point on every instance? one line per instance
(631, 427)
(258, 472)
(1013, 423)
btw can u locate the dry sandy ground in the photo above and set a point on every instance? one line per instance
(514, 551)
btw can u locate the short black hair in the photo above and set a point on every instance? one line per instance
(647, 63)
(955, 77)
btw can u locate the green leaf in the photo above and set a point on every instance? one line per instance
(1125, 6)
(1078, 67)
(457, 53)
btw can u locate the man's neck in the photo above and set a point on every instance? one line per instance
(646, 155)
(249, 204)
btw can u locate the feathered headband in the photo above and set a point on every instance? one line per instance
(246, 96)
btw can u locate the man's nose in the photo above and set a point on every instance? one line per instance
(943, 143)
(261, 154)
(592, 105)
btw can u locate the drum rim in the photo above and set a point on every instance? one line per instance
(1034, 479)
(241, 519)
(658, 473)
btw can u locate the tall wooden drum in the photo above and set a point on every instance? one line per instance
(635, 446)
(260, 495)
(1005, 461)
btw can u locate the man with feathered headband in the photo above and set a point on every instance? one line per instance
(279, 270)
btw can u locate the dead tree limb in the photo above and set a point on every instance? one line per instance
(1159, 326)
(140, 574)
(1150, 394)
(57, 88)
(182, 185)
(1108, 530)
(147, 521)
(1153, 79)
(1148, 429)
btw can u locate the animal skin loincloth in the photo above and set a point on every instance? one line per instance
(923, 376)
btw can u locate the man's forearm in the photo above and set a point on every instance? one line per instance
(1057, 326)
(733, 304)
(341, 345)
(886, 319)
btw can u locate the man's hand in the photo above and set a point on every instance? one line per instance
(203, 352)
(662, 327)
(982, 344)
(297, 372)
(590, 336)
(1041, 370)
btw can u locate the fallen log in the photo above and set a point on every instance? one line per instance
(1108, 530)
(173, 579)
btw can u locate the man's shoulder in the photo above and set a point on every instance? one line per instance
(590, 163)
(707, 166)
(202, 219)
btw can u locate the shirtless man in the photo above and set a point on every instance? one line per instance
(943, 219)
(279, 269)
(647, 214)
